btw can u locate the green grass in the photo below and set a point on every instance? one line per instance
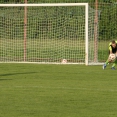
(34, 90)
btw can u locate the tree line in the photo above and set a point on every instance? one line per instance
(107, 20)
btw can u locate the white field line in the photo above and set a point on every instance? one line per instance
(63, 88)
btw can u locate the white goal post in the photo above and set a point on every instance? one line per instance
(46, 33)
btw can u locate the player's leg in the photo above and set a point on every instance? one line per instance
(106, 63)
(114, 64)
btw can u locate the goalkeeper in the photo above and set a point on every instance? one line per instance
(112, 50)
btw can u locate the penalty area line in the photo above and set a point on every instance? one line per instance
(64, 88)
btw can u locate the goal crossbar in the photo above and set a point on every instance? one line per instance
(47, 4)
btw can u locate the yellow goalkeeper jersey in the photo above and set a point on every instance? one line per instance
(114, 50)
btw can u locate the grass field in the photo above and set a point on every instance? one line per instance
(34, 90)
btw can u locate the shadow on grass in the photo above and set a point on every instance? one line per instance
(9, 74)
(2, 79)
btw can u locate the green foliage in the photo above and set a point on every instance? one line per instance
(107, 16)
(43, 22)
(45, 1)
(108, 22)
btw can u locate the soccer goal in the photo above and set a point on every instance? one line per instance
(47, 33)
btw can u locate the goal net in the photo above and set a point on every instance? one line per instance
(47, 33)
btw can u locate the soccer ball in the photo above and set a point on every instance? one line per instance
(112, 57)
(64, 61)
